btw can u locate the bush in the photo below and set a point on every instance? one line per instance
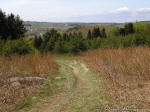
(59, 47)
(1, 46)
(16, 47)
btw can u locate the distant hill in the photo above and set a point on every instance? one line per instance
(146, 22)
(39, 28)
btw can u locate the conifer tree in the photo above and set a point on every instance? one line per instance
(37, 42)
(89, 36)
(11, 27)
(104, 33)
(96, 32)
(129, 28)
(3, 25)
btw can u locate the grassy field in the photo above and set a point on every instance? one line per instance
(126, 74)
(89, 82)
(23, 66)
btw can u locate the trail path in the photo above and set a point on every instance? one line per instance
(82, 91)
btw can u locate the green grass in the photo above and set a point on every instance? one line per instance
(90, 96)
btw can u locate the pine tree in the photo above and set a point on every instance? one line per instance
(40, 42)
(11, 27)
(64, 37)
(20, 29)
(129, 28)
(122, 31)
(3, 25)
(104, 33)
(58, 47)
(89, 36)
(96, 32)
(37, 42)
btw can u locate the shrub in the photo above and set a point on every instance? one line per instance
(59, 47)
(1, 46)
(16, 47)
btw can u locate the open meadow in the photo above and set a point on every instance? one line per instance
(126, 73)
(20, 67)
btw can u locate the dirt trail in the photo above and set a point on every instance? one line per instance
(82, 93)
(79, 78)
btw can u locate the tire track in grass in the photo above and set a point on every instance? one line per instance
(83, 91)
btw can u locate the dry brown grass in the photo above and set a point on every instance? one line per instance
(126, 73)
(23, 66)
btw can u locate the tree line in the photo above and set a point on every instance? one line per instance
(12, 33)
(57, 42)
(95, 33)
(96, 38)
(128, 29)
(11, 27)
(12, 40)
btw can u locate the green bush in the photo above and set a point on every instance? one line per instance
(1, 46)
(16, 47)
(59, 48)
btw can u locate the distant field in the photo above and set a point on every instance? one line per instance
(38, 28)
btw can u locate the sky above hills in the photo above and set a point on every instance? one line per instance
(79, 10)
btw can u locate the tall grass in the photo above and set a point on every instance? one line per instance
(126, 73)
(23, 66)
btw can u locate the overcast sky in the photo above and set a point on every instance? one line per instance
(79, 10)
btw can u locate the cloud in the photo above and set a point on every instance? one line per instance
(144, 10)
(119, 15)
(143, 14)
(58, 11)
(122, 9)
